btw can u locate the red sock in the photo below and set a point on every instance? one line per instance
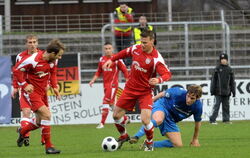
(42, 138)
(24, 122)
(105, 112)
(29, 127)
(45, 125)
(149, 134)
(121, 126)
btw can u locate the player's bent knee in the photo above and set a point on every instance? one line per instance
(178, 145)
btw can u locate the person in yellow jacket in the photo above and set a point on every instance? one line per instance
(143, 25)
(123, 34)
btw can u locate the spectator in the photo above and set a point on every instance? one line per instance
(143, 25)
(222, 85)
(123, 34)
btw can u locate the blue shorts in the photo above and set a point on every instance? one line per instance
(168, 124)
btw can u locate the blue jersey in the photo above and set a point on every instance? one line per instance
(175, 103)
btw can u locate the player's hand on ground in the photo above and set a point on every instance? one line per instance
(107, 64)
(14, 93)
(153, 81)
(29, 88)
(57, 93)
(195, 143)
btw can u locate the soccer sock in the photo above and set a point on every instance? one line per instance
(24, 122)
(149, 131)
(163, 143)
(141, 131)
(154, 123)
(45, 125)
(29, 127)
(120, 125)
(105, 112)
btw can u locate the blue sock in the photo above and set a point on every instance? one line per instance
(154, 123)
(140, 133)
(163, 143)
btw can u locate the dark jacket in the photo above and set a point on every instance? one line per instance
(222, 82)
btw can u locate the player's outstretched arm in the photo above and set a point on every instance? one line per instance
(195, 141)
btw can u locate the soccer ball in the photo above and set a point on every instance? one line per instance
(109, 144)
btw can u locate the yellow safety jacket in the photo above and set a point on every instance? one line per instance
(137, 33)
(122, 18)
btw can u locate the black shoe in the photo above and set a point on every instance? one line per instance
(26, 141)
(133, 140)
(20, 139)
(52, 150)
(122, 139)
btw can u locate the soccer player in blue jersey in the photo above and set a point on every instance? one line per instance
(170, 107)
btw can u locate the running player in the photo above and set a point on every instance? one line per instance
(31, 45)
(110, 80)
(37, 70)
(147, 61)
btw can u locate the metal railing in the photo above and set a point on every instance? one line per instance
(224, 27)
(94, 22)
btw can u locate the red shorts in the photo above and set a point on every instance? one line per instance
(33, 101)
(109, 95)
(128, 100)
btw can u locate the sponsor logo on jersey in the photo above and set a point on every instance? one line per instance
(41, 74)
(39, 65)
(136, 53)
(107, 69)
(137, 67)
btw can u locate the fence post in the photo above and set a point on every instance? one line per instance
(223, 28)
(1, 35)
(186, 48)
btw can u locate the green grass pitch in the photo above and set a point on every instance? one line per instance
(84, 141)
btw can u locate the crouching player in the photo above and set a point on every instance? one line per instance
(172, 106)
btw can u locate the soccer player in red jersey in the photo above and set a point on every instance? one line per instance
(147, 61)
(110, 80)
(38, 69)
(31, 45)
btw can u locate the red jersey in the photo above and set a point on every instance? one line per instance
(36, 71)
(21, 56)
(110, 75)
(144, 67)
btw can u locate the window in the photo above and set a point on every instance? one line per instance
(134, 0)
(1, 2)
(96, 1)
(28, 2)
(63, 1)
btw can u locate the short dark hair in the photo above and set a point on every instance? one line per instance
(55, 46)
(148, 33)
(195, 89)
(107, 43)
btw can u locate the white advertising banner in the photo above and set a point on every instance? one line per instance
(85, 108)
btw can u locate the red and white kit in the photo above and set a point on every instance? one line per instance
(110, 78)
(144, 67)
(20, 57)
(38, 72)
